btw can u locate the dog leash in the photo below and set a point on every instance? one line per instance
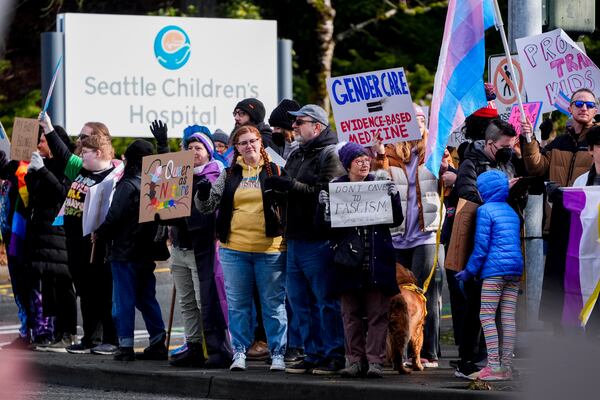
(438, 236)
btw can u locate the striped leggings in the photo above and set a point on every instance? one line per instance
(503, 291)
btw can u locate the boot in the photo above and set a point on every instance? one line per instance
(192, 357)
(157, 351)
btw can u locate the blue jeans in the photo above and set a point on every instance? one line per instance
(134, 286)
(309, 275)
(243, 270)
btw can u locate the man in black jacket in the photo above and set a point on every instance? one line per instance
(134, 284)
(310, 169)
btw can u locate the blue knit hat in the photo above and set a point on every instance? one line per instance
(187, 132)
(349, 151)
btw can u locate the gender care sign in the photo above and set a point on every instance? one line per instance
(373, 105)
(553, 63)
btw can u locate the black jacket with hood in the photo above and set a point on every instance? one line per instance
(312, 166)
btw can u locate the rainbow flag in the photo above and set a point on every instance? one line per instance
(582, 260)
(458, 89)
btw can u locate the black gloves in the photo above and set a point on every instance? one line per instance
(159, 131)
(203, 189)
(279, 183)
(553, 192)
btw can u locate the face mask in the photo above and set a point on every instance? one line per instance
(503, 155)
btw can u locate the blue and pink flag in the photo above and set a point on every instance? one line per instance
(458, 88)
(582, 261)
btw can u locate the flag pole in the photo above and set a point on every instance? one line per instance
(500, 27)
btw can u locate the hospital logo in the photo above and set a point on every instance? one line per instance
(172, 47)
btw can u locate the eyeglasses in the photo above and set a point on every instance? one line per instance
(581, 103)
(241, 113)
(245, 143)
(362, 162)
(299, 122)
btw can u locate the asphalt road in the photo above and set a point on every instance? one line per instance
(55, 392)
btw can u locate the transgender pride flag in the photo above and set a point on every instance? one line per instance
(458, 88)
(582, 265)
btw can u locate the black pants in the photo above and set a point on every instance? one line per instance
(471, 346)
(93, 285)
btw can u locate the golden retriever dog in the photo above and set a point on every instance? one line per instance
(406, 321)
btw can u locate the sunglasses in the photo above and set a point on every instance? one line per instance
(580, 104)
(299, 122)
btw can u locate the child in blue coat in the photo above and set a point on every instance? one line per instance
(498, 261)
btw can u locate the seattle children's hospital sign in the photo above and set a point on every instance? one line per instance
(373, 106)
(130, 70)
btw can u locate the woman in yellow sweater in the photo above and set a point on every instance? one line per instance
(252, 249)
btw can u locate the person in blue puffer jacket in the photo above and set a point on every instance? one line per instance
(498, 261)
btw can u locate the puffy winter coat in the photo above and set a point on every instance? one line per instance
(47, 187)
(497, 249)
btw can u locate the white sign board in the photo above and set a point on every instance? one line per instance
(127, 71)
(360, 204)
(373, 105)
(553, 63)
(500, 76)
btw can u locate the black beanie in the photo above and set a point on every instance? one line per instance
(254, 108)
(137, 150)
(280, 117)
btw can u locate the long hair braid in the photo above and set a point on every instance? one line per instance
(265, 158)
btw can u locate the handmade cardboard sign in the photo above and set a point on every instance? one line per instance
(360, 204)
(24, 138)
(373, 106)
(167, 183)
(532, 112)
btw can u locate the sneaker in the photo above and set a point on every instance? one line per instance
(193, 357)
(277, 363)
(124, 354)
(467, 370)
(239, 362)
(429, 363)
(104, 349)
(508, 373)
(354, 370)
(492, 374)
(375, 370)
(79, 348)
(293, 355)
(19, 343)
(303, 367)
(178, 350)
(40, 343)
(59, 346)
(259, 351)
(156, 352)
(332, 367)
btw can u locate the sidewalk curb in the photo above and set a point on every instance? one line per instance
(226, 385)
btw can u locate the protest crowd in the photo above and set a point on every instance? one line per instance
(261, 268)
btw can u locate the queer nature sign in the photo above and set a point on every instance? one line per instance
(360, 204)
(167, 183)
(552, 63)
(373, 105)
